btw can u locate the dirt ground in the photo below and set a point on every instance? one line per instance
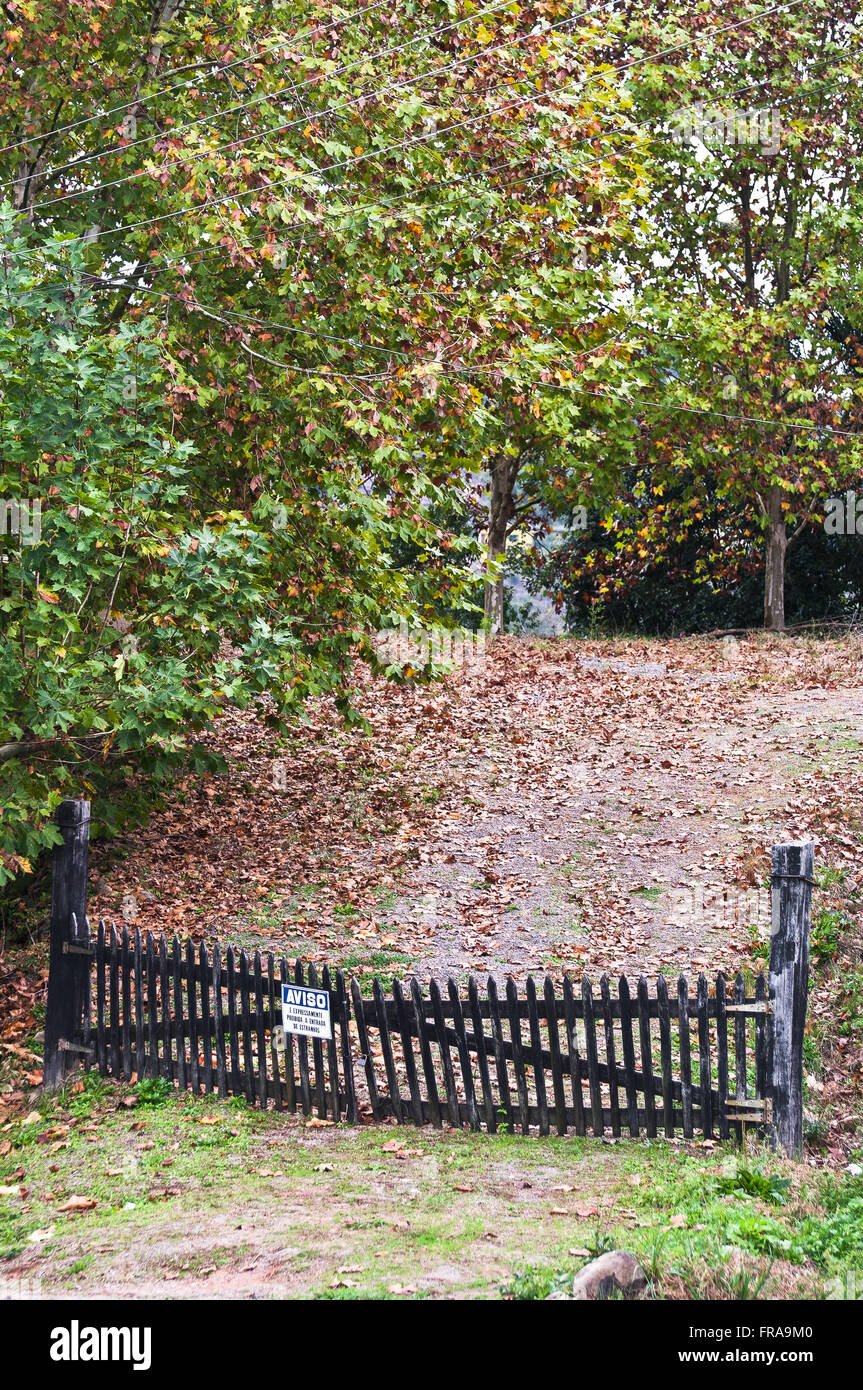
(574, 805)
(571, 806)
(195, 1199)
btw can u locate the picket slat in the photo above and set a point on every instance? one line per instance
(426, 1054)
(446, 1060)
(318, 1059)
(416, 1105)
(685, 1055)
(646, 1056)
(219, 1022)
(206, 1034)
(275, 1014)
(741, 1089)
(101, 1025)
(192, 1007)
(234, 1083)
(628, 1048)
(610, 1055)
(574, 1058)
(481, 1055)
(554, 1051)
(126, 998)
(591, 1057)
(165, 1003)
(387, 1048)
(140, 1054)
(463, 1055)
(114, 1001)
(536, 1054)
(517, 1056)
(245, 1022)
(261, 1032)
(152, 1005)
(704, 1058)
(760, 1041)
(721, 1056)
(332, 1054)
(665, 1055)
(505, 1103)
(303, 1052)
(351, 1109)
(290, 1074)
(365, 1051)
(179, 1031)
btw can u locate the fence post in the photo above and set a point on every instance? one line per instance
(69, 965)
(790, 906)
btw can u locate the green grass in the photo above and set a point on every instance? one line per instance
(826, 935)
(508, 1214)
(650, 894)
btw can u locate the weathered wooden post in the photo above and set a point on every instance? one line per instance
(69, 964)
(790, 907)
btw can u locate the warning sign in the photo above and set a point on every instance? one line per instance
(306, 1011)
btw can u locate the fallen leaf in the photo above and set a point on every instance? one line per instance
(78, 1204)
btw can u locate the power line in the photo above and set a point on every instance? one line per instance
(668, 405)
(320, 335)
(309, 230)
(310, 333)
(165, 91)
(304, 120)
(246, 320)
(425, 36)
(406, 144)
(209, 311)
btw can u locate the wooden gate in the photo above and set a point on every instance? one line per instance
(621, 1058)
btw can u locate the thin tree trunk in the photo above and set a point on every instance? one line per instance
(775, 546)
(501, 510)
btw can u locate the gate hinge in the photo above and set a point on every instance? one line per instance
(71, 948)
(64, 1046)
(758, 1006)
(760, 1109)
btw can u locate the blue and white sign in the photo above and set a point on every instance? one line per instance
(306, 1011)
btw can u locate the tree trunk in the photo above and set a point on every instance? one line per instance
(501, 510)
(776, 543)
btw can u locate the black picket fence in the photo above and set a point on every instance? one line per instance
(554, 1057)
